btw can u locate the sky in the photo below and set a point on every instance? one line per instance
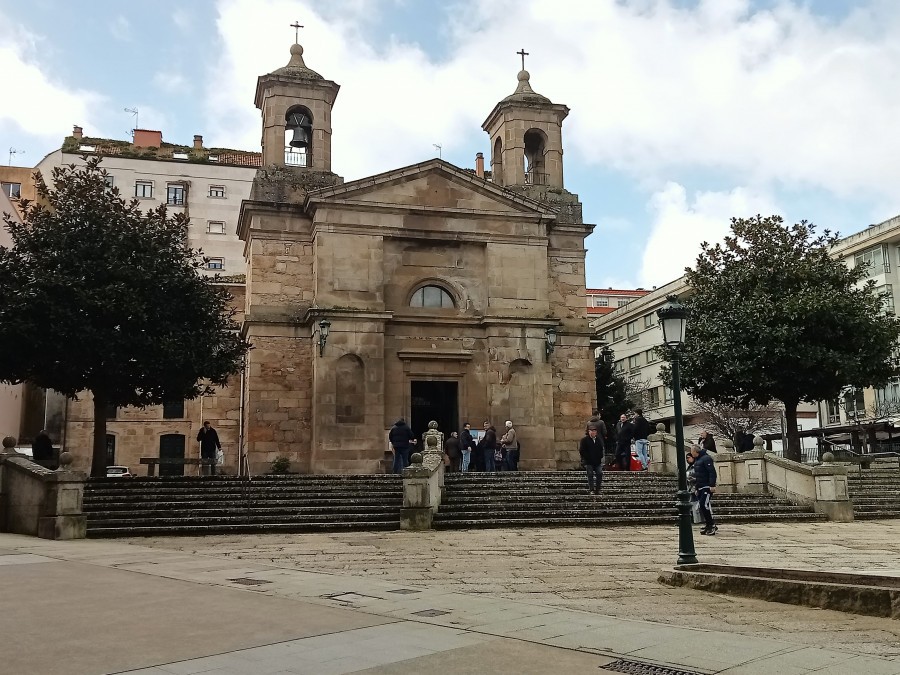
(684, 113)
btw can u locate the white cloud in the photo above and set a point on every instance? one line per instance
(777, 96)
(120, 27)
(37, 104)
(182, 19)
(681, 224)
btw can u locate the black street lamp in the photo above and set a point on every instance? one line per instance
(673, 319)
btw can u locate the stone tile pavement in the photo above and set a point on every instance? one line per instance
(524, 601)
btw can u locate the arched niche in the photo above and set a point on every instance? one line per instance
(535, 143)
(298, 131)
(350, 392)
(497, 161)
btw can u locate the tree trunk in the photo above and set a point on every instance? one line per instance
(793, 450)
(98, 458)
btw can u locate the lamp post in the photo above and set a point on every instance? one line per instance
(549, 342)
(324, 325)
(673, 319)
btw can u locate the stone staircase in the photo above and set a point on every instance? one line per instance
(121, 507)
(875, 493)
(535, 499)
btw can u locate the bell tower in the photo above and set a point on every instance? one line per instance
(525, 129)
(296, 107)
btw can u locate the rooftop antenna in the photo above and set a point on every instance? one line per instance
(133, 111)
(12, 152)
(438, 147)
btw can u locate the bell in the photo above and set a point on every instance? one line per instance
(300, 138)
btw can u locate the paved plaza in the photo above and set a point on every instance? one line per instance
(485, 601)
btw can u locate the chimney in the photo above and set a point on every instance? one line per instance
(77, 132)
(145, 138)
(479, 164)
(198, 141)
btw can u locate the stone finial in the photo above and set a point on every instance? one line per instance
(415, 458)
(728, 445)
(524, 92)
(660, 428)
(9, 445)
(296, 57)
(758, 442)
(828, 458)
(65, 458)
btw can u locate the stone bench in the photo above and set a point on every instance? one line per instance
(151, 462)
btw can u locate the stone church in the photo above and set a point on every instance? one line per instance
(427, 292)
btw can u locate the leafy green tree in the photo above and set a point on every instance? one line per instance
(612, 390)
(775, 317)
(98, 296)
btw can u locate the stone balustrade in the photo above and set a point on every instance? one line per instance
(423, 490)
(823, 486)
(37, 501)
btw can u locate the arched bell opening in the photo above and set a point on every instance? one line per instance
(298, 137)
(497, 162)
(535, 149)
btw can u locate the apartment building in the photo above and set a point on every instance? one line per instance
(206, 184)
(605, 300)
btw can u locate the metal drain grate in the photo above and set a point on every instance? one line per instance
(638, 668)
(246, 581)
(430, 612)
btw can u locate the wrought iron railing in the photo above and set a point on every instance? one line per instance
(536, 178)
(296, 158)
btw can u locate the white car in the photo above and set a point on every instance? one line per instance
(118, 472)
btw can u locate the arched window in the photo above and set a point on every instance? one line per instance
(350, 394)
(297, 136)
(497, 162)
(431, 296)
(535, 147)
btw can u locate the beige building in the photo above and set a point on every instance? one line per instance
(208, 185)
(11, 395)
(444, 296)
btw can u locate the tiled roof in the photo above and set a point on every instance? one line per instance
(600, 310)
(638, 292)
(113, 148)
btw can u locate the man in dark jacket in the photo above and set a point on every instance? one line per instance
(488, 446)
(209, 443)
(401, 438)
(467, 446)
(707, 442)
(641, 431)
(591, 451)
(597, 423)
(42, 447)
(624, 434)
(705, 486)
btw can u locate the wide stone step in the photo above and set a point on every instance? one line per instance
(603, 509)
(581, 521)
(200, 518)
(456, 501)
(347, 511)
(226, 493)
(329, 502)
(198, 529)
(876, 515)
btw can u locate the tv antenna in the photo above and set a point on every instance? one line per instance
(133, 111)
(13, 152)
(438, 146)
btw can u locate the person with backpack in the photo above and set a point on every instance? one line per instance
(401, 438)
(705, 485)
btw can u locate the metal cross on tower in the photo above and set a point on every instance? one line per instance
(296, 26)
(523, 54)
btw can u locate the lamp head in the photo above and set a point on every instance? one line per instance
(673, 319)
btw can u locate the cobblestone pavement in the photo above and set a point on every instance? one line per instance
(609, 571)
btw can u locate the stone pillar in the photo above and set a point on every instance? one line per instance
(423, 487)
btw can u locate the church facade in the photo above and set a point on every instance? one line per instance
(426, 292)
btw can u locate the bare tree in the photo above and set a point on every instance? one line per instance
(727, 420)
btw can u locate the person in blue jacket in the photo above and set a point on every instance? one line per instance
(705, 486)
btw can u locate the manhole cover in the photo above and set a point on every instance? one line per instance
(638, 668)
(245, 581)
(430, 612)
(404, 591)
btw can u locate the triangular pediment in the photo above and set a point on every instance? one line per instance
(433, 185)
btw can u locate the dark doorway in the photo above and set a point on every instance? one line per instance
(171, 446)
(434, 401)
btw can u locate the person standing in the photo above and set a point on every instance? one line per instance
(641, 432)
(591, 451)
(209, 444)
(453, 452)
(467, 445)
(707, 442)
(624, 434)
(511, 443)
(705, 486)
(42, 447)
(488, 447)
(400, 437)
(597, 423)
